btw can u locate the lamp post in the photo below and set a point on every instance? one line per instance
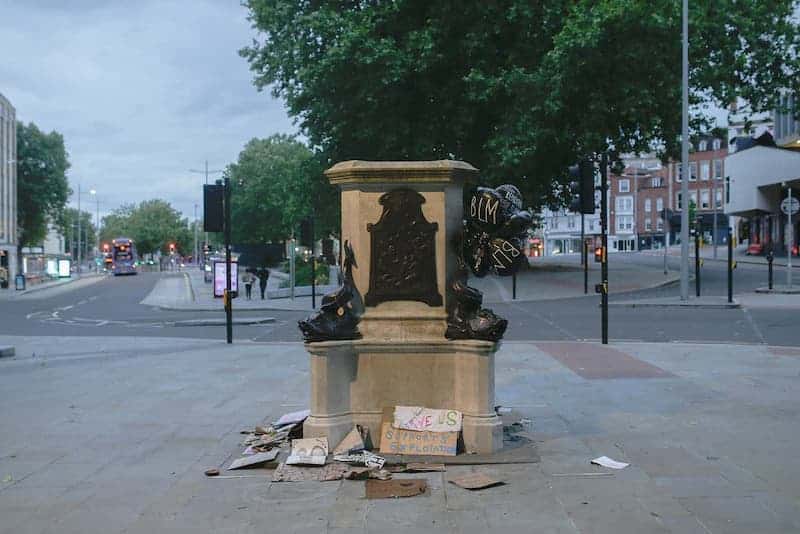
(685, 154)
(93, 192)
(206, 172)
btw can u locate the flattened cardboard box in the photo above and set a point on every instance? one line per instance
(410, 442)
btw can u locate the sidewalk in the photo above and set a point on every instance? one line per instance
(57, 286)
(710, 432)
(739, 255)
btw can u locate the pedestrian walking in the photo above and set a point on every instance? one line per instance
(248, 280)
(263, 276)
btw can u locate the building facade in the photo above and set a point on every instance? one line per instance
(8, 193)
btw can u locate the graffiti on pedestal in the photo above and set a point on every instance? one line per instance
(403, 252)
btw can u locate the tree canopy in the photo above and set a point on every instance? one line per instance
(42, 187)
(152, 225)
(519, 89)
(275, 183)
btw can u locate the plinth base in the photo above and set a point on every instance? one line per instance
(353, 381)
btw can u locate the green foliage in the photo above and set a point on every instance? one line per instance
(67, 224)
(302, 273)
(519, 89)
(275, 183)
(152, 225)
(42, 187)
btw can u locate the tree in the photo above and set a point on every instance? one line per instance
(152, 225)
(275, 183)
(67, 224)
(42, 188)
(520, 89)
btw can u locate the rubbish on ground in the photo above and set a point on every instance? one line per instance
(355, 440)
(500, 410)
(605, 461)
(365, 458)
(387, 489)
(309, 451)
(475, 481)
(582, 474)
(400, 441)
(426, 419)
(364, 473)
(248, 451)
(239, 476)
(297, 473)
(213, 472)
(292, 417)
(254, 460)
(259, 430)
(417, 467)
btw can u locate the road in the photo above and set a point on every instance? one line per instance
(112, 307)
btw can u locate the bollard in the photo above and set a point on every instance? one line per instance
(585, 267)
(730, 267)
(770, 257)
(697, 262)
(514, 286)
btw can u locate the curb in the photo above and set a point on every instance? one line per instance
(41, 287)
(7, 351)
(222, 322)
(778, 290)
(678, 304)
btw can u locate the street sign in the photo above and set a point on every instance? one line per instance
(795, 205)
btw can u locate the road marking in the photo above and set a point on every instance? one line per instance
(65, 308)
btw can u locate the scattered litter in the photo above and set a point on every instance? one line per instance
(239, 476)
(605, 461)
(427, 419)
(248, 451)
(364, 473)
(292, 417)
(355, 440)
(213, 472)
(475, 481)
(309, 451)
(582, 475)
(400, 441)
(500, 410)
(254, 460)
(366, 458)
(416, 467)
(7, 479)
(297, 473)
(259, 430)
(387, 489)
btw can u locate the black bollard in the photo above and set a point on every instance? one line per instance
(770, 257)
(697, 262)
(730, 267)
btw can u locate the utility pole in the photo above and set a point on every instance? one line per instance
(685, 156)
(196, 250)
(206, 172)
(80, 252)
(791, 241)
(228, 295)
(666, 238)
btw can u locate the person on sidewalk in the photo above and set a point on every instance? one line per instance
(263, 276)
(248, 280)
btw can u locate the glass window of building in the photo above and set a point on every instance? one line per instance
(693, 171)
(659, 204)
(705, 199)
(704, 170)
(624, 186)
(648, 205)
(718, 169)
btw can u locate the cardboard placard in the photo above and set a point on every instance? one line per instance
(311, 451)
(400, 441)
(430, 419)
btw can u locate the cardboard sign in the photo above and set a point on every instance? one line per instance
(312, 451)
(401, 441)
(429, 419)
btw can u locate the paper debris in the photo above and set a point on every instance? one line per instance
(212, 472)
(310, 451)
(605, 461)
(416, 467)
(254, 460)
(364, 473)
(353, 441)
(475, 481)
(365, 458)
(387, 489)
(399, 441)
(293, 417)
(298, 473)
(428, 419)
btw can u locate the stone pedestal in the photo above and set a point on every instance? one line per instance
(403, 357)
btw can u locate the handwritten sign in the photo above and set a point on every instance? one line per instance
(400, 441)
(312, 451)
(419, 418)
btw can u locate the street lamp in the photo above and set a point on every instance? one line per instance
(206, 172)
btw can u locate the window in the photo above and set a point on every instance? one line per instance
(693, 198)
(716, 144)
(571, 222)
(660, 224)
(705, 170)
(625, 204)
(693, 171)
(702, 146)
(648, 205)
(718, 169)
(705, 199)
(678, 200)
(648, 225)
(624, 223)
(657, 181)
(678, 172)
(624, 186)
(718, 198)
(659, 204)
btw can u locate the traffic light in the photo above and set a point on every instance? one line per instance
(213, 214)
(581, 187)
(105, 247)
(598, 254)
(172, 248)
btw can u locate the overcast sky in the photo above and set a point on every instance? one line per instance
(142, 91)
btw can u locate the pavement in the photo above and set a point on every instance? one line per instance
(112, 435)
(51, 287)
(739, 255)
